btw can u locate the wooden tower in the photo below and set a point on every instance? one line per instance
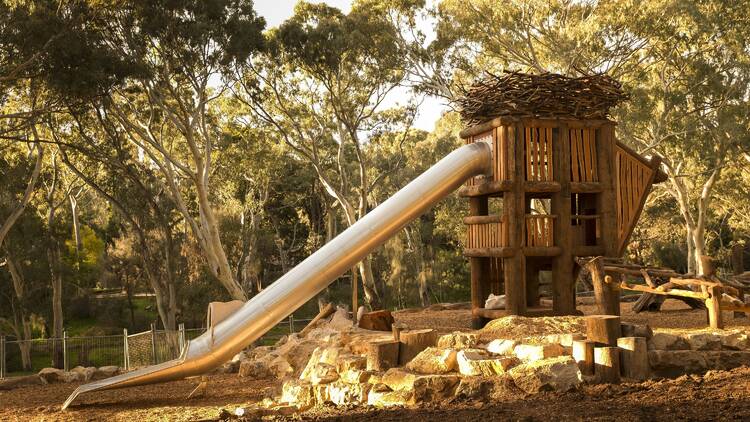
(561, 188)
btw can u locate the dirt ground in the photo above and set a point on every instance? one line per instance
(718, 395)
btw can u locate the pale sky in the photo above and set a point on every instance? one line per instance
(276, 11)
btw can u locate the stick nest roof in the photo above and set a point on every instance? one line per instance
(547, 95)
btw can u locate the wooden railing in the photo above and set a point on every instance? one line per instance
(539, 230)
(538, 141)
(487, 231)
(583, 165)
(633, 177)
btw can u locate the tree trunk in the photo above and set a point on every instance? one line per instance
(76, 228)
(368, 283)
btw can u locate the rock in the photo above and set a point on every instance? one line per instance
(388, 398)
(280, 368)
(667, 341)
(502, 346)
(328, 355)
(230, 367)
(298, 392)
(106, 372)
(433, 360)
(340, 320)
(377, 321)
(351, 362)
(24, 381)
(254, 369)
(495, 302)
(535, 352)
(239, 357)
(458, 340)
(479, 362)
(433, 388)
(703, 341)
(673, 363)
(397, 379)
(52, 375)
(84, 374)
(323, 373)
(636, 330)
(355, 376)
(735, 341)
(342, 394)
(486, 388)
(296, 352)
(558, 374)
(727, 359)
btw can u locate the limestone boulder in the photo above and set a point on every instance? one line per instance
(479, 362)
(673, 363)
(434, 388)
(398, 380)
(565, 340)
(298, 392)
(355, 376)
(703, 341)
(376, 321)
(735, 341)
(667, 341)
(23, 381)
(433, 360)
(535, 352)
(280, 368)
(458, 340)
(106, 372)
(296, 351)
(324, 354)
(84, 373)
(389, 398)
(351, 363)
(502, 346)
(323, 373)
(344, 394)
(486, 388)
(555, 374)
(52, 375)
(727, 359)
(340, 320)
(255, 369)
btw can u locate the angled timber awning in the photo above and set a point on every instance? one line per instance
(634, 176)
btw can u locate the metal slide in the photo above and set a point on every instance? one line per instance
(311, 276)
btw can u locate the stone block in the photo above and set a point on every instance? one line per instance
(458, 340)
(480, 362)
(556, 374)
(433, 360)
(535, 352)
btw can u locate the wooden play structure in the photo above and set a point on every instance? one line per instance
(562, 186)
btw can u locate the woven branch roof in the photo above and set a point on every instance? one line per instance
(546, 95)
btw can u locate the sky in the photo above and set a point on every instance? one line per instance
(276, 11)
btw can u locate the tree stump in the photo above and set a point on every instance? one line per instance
(376, 321)
(634, 357)
(382, 355)
(607, 365)
(603, 329)
(397, 328)
(414, 341)
(583, 353)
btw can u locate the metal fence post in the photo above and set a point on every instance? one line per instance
(291, 323)
(2, 357)
(181, 336)
(66, 366)
(153, 343)
(125, 352)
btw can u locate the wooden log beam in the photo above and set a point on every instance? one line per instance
(586, 187)
(583, 353)
(634, 357)
(327, 310)
(671, 292)
(606, 293)
(607, 365)
(502, 252)
(483, 219)
(486, 188)
(382, 355)
(603, 329)
(412, 342)
(541, 187)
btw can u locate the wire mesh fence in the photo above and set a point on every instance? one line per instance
(128, 351)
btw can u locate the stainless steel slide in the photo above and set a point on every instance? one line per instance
(311, 276)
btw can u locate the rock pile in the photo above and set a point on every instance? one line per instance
(58, 376)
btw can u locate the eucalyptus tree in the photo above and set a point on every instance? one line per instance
(322, 85)
(185, 50)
